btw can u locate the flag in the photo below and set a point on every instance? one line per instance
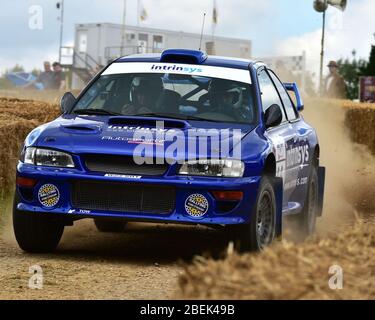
(214, 13)
(142, 12)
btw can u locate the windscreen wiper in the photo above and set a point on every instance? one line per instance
(96, 112)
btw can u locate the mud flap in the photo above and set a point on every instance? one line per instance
(278, 187)
(321, 181)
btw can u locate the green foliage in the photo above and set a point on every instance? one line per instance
(351, 70)
(17, 68)
(370, 68)
(35, 72)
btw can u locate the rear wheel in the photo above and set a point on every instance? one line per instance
(36, 232)
(260, 231)
(105, 225)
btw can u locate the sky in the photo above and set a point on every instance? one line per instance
(275, 27)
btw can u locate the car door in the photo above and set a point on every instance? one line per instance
(282, 137)
(298, 152)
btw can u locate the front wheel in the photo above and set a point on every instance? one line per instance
(260, 231)
(36, 232)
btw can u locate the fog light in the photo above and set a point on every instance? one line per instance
(228, 195)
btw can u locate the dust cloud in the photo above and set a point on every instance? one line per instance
(350, 174)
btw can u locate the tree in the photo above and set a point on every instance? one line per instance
(17, 68)
(370, 69)
(351, 70)
(35, 72)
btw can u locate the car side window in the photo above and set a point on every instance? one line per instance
(288, 105)
(269, 92)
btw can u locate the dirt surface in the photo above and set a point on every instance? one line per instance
(145, 261)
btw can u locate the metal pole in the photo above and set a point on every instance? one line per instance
(138, 12)
(322, 55)
(214, 20)
(123, 35)
(200, 42)
(61, 28)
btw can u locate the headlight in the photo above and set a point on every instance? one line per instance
(213, 168)
(47, 157)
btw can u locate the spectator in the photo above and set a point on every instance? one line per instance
(58, 77)
(334, 85)
(45, 77)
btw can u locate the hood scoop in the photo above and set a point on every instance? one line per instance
(81, 129)
(151, 122)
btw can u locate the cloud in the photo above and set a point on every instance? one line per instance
(345, 32)
(234, 17)
(22, 45)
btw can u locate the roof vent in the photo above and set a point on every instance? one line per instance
(183, 56)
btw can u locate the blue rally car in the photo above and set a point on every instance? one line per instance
(178, 137)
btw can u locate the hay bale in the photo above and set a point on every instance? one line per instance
(359, 119)
(289, 271)
(17, 118)
(361, 123)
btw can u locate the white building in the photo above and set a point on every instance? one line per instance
(98, 43)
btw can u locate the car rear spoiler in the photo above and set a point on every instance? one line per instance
(292, 87)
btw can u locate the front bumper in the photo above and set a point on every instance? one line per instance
(239, 212)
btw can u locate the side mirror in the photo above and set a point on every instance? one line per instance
(67, 102)
(292, 87)
(273, 116)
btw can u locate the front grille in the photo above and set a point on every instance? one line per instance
(122, 165)
(120, 197)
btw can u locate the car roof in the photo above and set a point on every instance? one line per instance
(218, 61)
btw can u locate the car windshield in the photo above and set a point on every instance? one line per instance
(180, 96)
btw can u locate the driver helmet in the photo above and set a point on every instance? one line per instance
(145, 90)
(225, 93)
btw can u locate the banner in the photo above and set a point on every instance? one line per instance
(367, 89)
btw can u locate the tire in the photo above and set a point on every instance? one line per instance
(36, 232)
(260, 231)
(104, 225)
(307, 219)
